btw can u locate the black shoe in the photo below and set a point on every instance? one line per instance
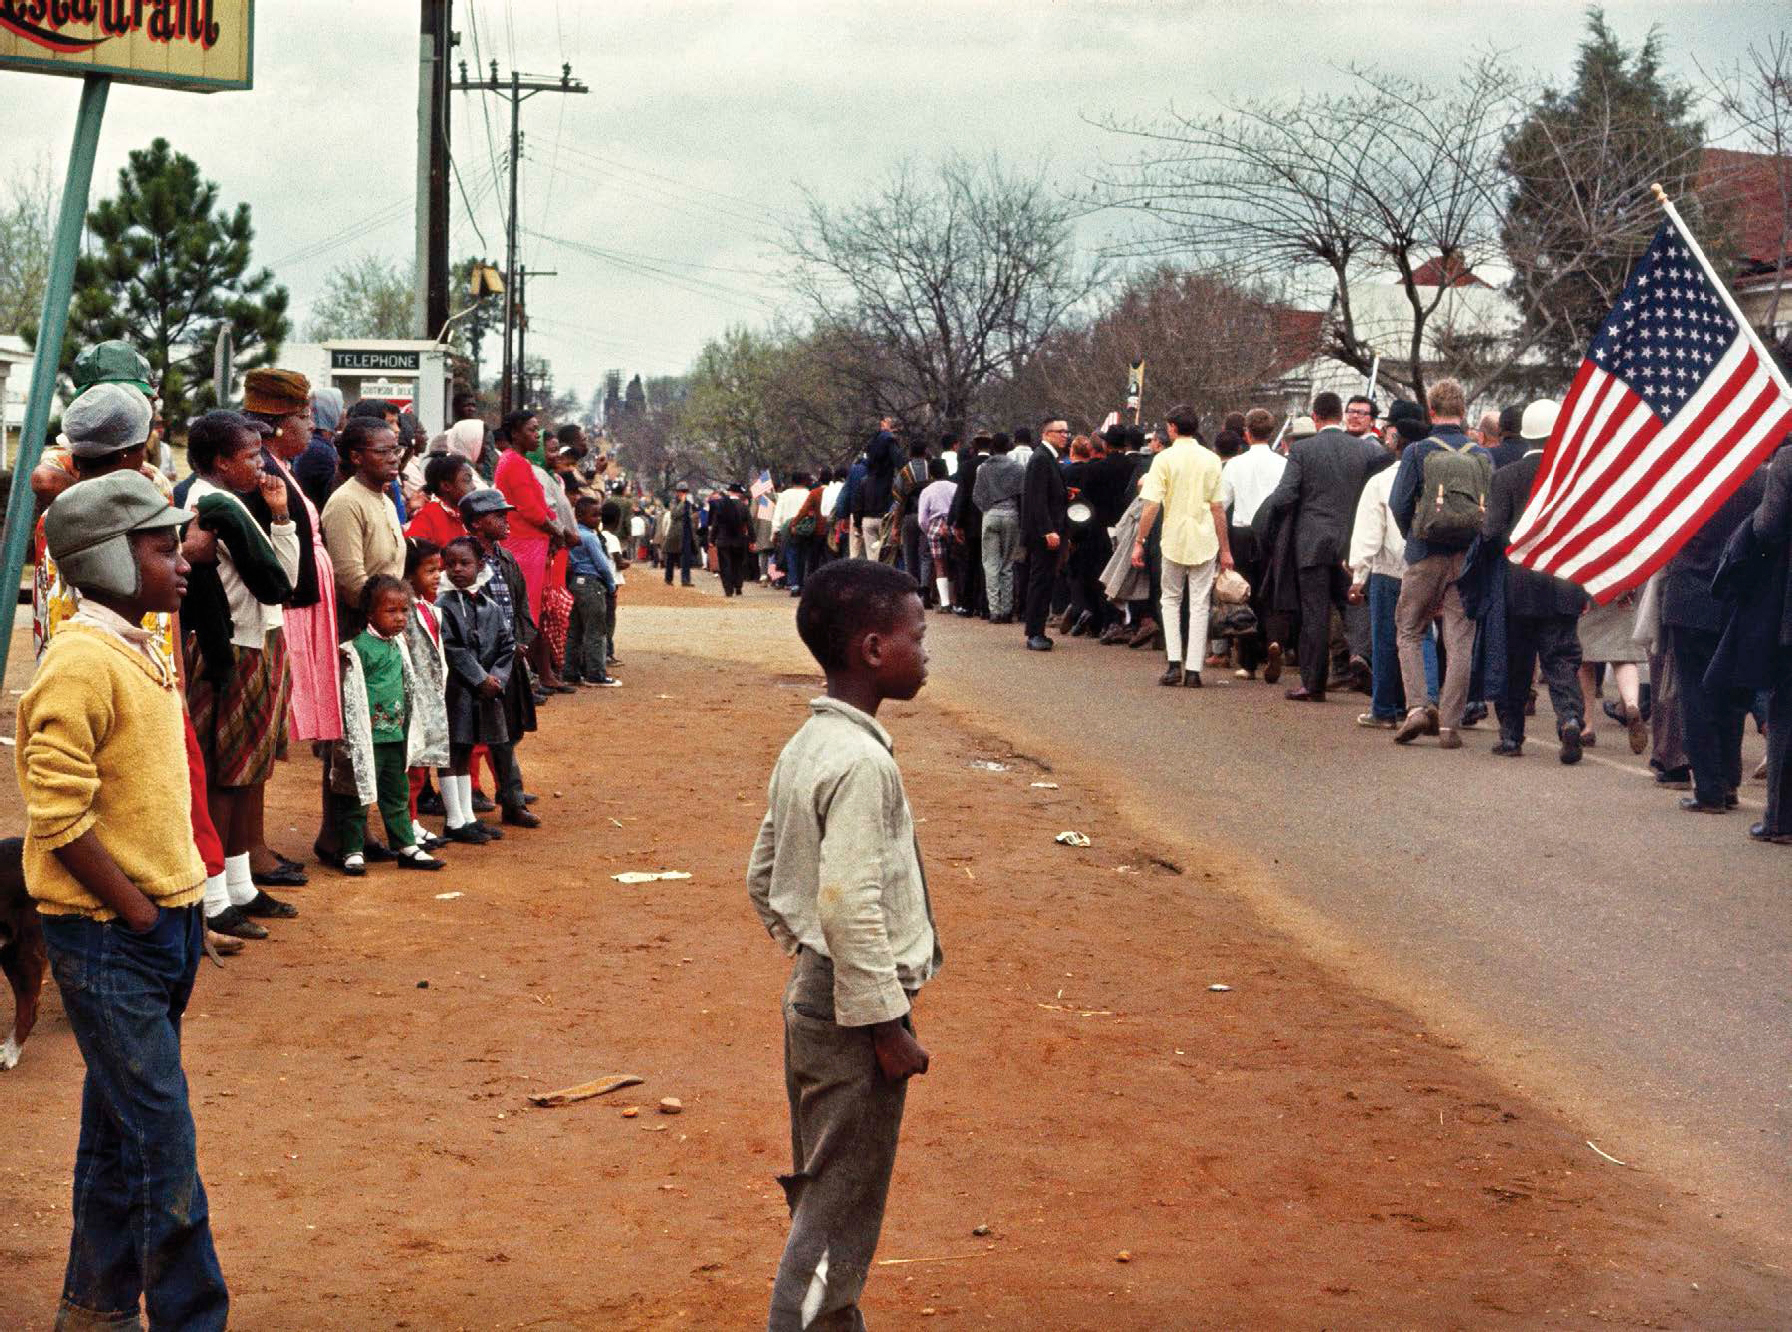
(429, 801)
(429, 841)
(1039, 643)
(1474, 714)
(282, 877)
(421, 861)
(518, 816)
(376, 853)
(1191, 679)
(528, 799)
(233, 922)
(1508, 748)
(1084, 623)
(963, 612)
(268, 908)
(468, 833)
(331, 858)
(1693, 805)
(1675, 779)
(1172, 674)
(482, 803)
(1571, 741)
(1759, 832)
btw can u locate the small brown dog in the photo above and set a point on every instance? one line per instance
(22, 955)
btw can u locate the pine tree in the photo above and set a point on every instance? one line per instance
(1581, 165)
(166, 270)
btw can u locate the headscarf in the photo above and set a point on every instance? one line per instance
(326, 409)
(467, 438)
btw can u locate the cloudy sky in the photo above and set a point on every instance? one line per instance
(659, 196)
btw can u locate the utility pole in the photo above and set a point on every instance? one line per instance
(436, 39)
(518, 90)
(522, 327)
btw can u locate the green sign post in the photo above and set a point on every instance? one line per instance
(200, 50)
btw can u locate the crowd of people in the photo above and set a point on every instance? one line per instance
(1367, 553)
(323, 583)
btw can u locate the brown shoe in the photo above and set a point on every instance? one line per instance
(520, 816)
(1639, 730)
(223, 945)
(1115, 633)
(1272, 666)
(1416, 724)
(1146, 631)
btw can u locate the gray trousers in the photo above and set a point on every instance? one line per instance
(1427, 591)
(1001, 542)
(844, 1120)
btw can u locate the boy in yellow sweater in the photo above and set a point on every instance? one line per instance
(101, 750)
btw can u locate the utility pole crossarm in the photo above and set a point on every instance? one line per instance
(518, 89)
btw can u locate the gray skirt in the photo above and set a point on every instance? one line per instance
(1605, 632)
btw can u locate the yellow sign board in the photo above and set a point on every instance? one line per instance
(193, 45)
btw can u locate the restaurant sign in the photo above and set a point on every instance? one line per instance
(193, 45)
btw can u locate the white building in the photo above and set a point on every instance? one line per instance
(15, 388)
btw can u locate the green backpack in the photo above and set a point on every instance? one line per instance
(1452, 502)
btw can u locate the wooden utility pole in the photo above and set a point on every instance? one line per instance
(519, 89)
(522, 326)
(436, 39)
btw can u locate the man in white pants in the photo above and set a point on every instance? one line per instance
(1184, 486)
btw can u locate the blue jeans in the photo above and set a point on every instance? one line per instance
(1387, 696)
(142, 1227)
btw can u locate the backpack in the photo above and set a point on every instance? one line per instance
(1452, 501)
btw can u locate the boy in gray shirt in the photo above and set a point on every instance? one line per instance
(836, 877)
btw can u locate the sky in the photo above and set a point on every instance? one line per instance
(659, 197)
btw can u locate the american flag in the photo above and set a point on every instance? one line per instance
(1672, 409)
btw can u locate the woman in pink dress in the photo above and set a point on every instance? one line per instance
(532, 524)
(313, 665)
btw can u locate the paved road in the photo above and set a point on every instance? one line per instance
(1630, 962)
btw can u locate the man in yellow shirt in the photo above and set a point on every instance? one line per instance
(1183, 486)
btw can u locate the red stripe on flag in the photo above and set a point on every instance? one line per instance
(1658, 504)
(1562, 454)
(1603, 592)
(1617, 413)
(1683, 438)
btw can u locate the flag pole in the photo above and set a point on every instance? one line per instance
(1748, 329)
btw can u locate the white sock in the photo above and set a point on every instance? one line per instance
(217, 897)
(945, 587)
(237, 880)
(452, 802)
(465, 783)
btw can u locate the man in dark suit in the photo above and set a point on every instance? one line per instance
(1513, 443)
(1043, 522)
(1694, 617)
(966, 521)
(1319, 490)
(882, 457)
(1542, 613)
(731, 532)
(1773, 529)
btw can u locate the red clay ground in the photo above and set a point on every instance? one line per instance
(1289, 1153)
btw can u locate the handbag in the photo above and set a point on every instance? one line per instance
(1231, 589)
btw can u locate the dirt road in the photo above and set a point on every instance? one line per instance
(1145, 1151)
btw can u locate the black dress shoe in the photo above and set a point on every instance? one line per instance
(1304, 695)
(376, 853)
(283, 877)
(467, 833)
(528, 799)
(1191, 680)
(1570, 738)
(1172, 674)
(482, 803)
(287, 862)
(1084, 623)
(269, 908)
(1759, 832)
(331, 858)
(518, 816)
(1039, 643)
(233, 922)
(1693, 805)
(429, 801)
(1508, 749)
(1675, 779)
(963, 612)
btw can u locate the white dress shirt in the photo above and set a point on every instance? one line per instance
(1247, 479)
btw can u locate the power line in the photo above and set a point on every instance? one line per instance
(472, 216)
(725, 295)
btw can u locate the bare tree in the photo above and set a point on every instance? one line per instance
(26, 224)
(938, 283)
(1756, 97)
(1387, 179)
(1207, 341)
